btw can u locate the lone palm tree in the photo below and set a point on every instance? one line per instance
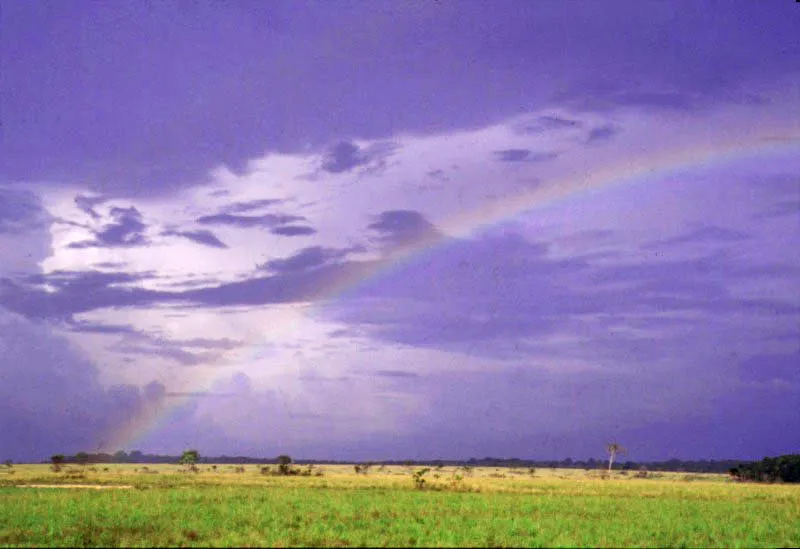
(613, 448)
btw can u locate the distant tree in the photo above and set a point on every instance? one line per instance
(57, 460)
(613, 448)
(284, 462)
(189, 458)
(120, 457)
(82, 458)
(8, 463)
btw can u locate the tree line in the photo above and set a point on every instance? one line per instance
(672, 465)
(770, 469)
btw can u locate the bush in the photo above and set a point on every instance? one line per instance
(419, 482)
(456, 480)
(362, 468)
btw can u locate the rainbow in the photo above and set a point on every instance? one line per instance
(573, 186)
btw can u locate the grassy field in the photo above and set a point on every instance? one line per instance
(160, 505)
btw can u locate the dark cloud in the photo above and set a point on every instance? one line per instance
(96, 328)
(395, 374)
(19, 211)
(403, 227)
(183, 352)
(163, 350)
(225, 100)
(87, 203)
(601, 133)
(293, 230)
(702, 235)
(249, 221)
(55, 403)
(344, 157)
(438, 174)
(202, 236)
(76, 292)
(204, 343)
(547, 123)
(522, 155)
(126, 230)
(305, 259)
(243, 207)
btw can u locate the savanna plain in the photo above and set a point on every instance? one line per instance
(334, 506)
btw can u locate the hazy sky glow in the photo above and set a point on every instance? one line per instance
(382, 230)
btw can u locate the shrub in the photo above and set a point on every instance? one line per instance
(308, 471)
(419, 481)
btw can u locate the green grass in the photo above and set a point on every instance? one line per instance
(561, 508)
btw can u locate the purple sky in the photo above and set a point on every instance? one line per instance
(373, 230)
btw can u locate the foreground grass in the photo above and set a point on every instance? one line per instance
(224, 508)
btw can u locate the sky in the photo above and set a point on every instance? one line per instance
(400, 230)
